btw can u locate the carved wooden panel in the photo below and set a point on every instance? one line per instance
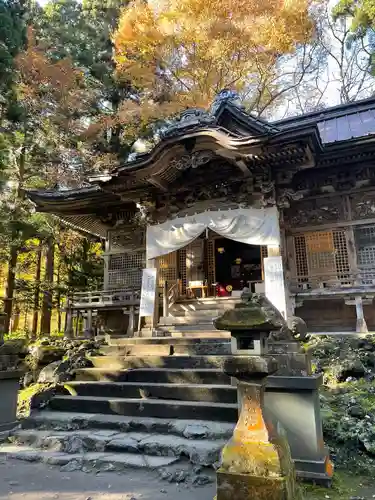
(127, 238)
(315, 212)
(363, 205)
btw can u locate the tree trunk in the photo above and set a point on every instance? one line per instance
(11, 278)
(9, 294)
(16, 319)
(47, 298)
(34, 329)
(58, 298)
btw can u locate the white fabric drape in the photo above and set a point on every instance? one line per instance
(246, 225)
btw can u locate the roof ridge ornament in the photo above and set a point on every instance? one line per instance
(226, 95)
(188, 119)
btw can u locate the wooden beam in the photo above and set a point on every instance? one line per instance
(243, 167)
(332, 225)
(157, 182)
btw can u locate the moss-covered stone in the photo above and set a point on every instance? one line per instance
(253, 313)
(232, 486)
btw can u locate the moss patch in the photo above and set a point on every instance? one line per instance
(344, 486)
(25, 397)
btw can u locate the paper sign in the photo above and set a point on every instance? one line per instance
(274, 283)
(148, 292)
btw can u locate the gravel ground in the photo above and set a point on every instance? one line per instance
(31, 481)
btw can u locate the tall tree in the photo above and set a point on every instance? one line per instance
(51, 96)
(181, 53)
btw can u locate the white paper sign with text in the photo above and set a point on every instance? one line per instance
(148, 292)
(274, 283)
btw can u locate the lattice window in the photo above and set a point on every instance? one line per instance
(263, 255)
(125, 270)
(322, 255)
(320, 252)
(168, 268)
(341, 253)
(182, 269)
(301, 256)
(211, 274)
(365, 244)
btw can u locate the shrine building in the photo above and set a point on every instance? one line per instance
(224, 201)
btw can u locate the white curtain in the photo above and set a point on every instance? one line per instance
(246, 225)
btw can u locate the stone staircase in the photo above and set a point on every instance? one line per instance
(158, 403)
(194, 318)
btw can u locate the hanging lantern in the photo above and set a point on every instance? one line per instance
(238, 260)
(221, 250)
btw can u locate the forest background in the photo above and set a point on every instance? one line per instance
(81, 82)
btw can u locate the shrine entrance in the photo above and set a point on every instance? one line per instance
(238, 265)
(211, 254)
(212, 266)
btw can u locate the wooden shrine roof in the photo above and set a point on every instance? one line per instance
(227, 132)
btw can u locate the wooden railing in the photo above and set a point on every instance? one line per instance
(104, 298)
(171, 292)
(363, 280)
(126, 299)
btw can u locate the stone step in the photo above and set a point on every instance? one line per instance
(70, 421)
(118, 341)
(105, 461)
(209, 302)
(148, 407)
(118, 362)
(182, 320)
(203, 452)
(192, 330)
(180, 392)
(161, 375)
(200, 314)
(201, 348)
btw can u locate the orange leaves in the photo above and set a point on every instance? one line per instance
(56, 86)
(182, 52)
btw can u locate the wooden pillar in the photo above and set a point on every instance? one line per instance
(165, 299)
(131, 323)
(88, 324)
(106, 258)
(69, 320)
(155, 319)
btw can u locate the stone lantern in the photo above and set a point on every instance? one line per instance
(258, 329)
(256, 462)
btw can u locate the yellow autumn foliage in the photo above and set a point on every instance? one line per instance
(181, 53)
